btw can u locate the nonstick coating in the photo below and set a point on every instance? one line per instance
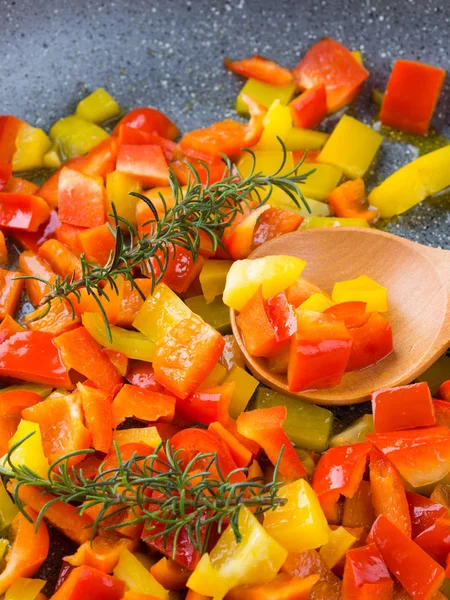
(169, 53)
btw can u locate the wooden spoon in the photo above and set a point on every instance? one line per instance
(418, 281)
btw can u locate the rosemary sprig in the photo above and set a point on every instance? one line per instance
(199, 208)
(163, 491)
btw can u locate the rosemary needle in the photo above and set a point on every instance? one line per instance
(160, 490)
(199, 208)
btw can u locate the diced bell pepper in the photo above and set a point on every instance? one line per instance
(361, 289)
(31, 145)
(76, 136)
(99, 106)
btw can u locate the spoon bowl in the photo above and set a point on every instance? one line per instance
(418, 281)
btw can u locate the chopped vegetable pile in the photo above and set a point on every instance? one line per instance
(128, 420)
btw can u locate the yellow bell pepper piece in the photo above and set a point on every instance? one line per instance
(131, 343)
(245, 386)
(321, 181)
(300, 524)
(436, 374)
(140, 435)
(423, 177)
(8, 510)
(213, 277)
(52, 159)
(361, 289)
(30, 453)
(317, 302)
(305, 139)
(257, 558)
(37, 388)
(316, 222)
(354, 433)
(267, 163)
(76, 136)
(161, 311)
(216, 377)
(118, 186)
(25, 589)
(277, 124)
(273, 273)
(4, 547)
(352, 147)
(136, 577)
(31, 145)
(358, 56)
(98, 107)
(264, 93)
(334, 550)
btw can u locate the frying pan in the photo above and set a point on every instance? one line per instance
(168, 53)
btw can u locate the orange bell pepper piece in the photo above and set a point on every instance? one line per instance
(68, 235)
(102, 553)
(274, 222)
(183, 173)
(149, 120)
(283, 587)
(411, 95)
(187, 356)
(62, 426)
(99, 161)
(191, 595)
(265, 427)
(170, 574)
(60, 258)
(13, 402)
(180, 271)
(17, 185)
(388, 492)
(98, 415)
(10, 291)
(9, 128)
(132, 301)
(3, 249)
(145, 405)
(33, 265)
(97, 243)
(309, 562)
(129, 136)
(110, 300)
(86, 582)
(418, 573)
(404, 407)
(119, 360)
(349, 200)
(260, 68)
(366, 576)
(238, 238)
(339, 472)
(57, 320)
(352, 314)
(23, 211)
(32, 356)
(146, 163)
(300, 291)
(308, 109)
(64, 517)
(81, 352)
(141, 374)
(81, 199)
(330, 64)
(28, 551)
(358, 510)
(241, 455)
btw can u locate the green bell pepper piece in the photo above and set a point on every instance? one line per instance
(216, 313)
(354, 433)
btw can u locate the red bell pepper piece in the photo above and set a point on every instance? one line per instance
(422, 456)
(404, 407)
(81, 352)
(436, 540)
(32, 356)
(31, 240)
(238, 238)
(98, 415)
(241, 455)
(28, 551)
(81, 199)
(13, 402)
(339, 472)
(187, 356)
(5, 174)
(146, 163)
(214, 173)
(99, 161)
(260, 68)
(442, 412)
(207, 405)
(309, 108)
(61, 422)
(149, 120)
(330, 64)
(319, 353)
(300, 291)
(444, 391)
(22, 211)
(60, 258)
(97, 243)
(132, 300)
(10, 291)
(17, 185)
(144, 405)
(366, 576)
(349, 200)
(352, 314)
(274, 222)
(32, 265)
(181, 269)
(68, 235)
(136, 137)
(265, 427)
(9, 128)
(87, 582)
(424, 512)
(388, 492)
(418, 573)
(142, 375)
(411, 96)
(358, 510)
(371, 342)
(266, 325)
